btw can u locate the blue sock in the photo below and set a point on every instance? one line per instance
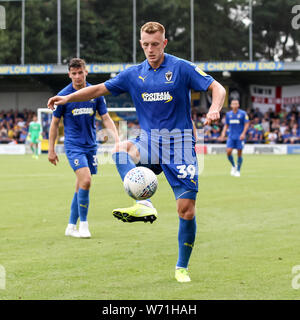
(83, 203)
(123, 163)
(239, 163)
(186, 238)
(230, 158)
(74, 210)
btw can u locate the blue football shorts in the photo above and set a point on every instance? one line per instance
(81, 158)
(235, 143)
(179, 165)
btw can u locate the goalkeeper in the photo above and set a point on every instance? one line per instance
(34, 136)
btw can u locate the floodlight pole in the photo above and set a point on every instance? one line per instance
(134, 32)
(192, 31)
(250, 32)
(58, 31)
(78, 30)
(23, 33)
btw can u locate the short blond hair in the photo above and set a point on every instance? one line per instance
(152, 27)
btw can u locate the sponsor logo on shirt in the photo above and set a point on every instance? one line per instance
(234, 121)
(157, 96)
(80, 111)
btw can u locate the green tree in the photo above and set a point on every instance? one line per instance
(106, 31)
(10, 38)
(274, 37)
(219, 34)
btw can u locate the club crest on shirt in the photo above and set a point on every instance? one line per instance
(169, 75)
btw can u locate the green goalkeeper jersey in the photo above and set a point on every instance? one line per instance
(34, 131)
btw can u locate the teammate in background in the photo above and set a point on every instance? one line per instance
(80, 143)
(160, 89)
(237, 122)
(34, 133)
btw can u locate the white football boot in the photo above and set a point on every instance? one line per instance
(237, 174)
(84, 229)
(233, 171)
(71, 231)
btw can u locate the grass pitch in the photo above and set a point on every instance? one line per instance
(247, 238)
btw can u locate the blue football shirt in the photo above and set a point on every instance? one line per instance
(162, 96)
(236, 122)
(79, 120)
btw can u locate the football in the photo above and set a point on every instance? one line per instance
(140, 183)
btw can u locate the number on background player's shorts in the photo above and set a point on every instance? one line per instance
(83, 158)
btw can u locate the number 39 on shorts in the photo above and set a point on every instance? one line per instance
(185, 171)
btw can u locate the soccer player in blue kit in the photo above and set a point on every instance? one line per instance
(160, 89)
(237, 122)
(80, 143)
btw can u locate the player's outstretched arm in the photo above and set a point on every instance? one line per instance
(84, 94)
(218, 98)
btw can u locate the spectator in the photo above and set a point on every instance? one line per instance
(272, 137)
(258, 114)
(295, 138)
(286, 136)
(271, 114)
(207, 134)
(251, 133)
(283, 126)
(215, 133)
(258, 135)
(283, 114)
(279, 136)
(265, 124)
(293, 114)
(10, 132)
(23, 136)
(3, 133)
(275, 123)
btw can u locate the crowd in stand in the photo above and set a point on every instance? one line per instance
(270, 127)
(14, 125)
